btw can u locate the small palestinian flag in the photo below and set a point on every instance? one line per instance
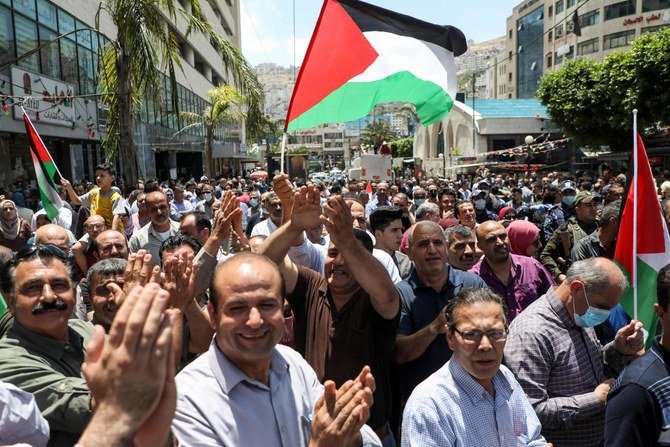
(45, 171)
(362, 55)
(653, 243)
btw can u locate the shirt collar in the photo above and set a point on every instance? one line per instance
(473, 389)
(454, 278)
(559, 308)
(485, 268)
(229, 376)
(174, 226)
(46, 346)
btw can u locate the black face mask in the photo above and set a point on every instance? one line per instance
(549, 199)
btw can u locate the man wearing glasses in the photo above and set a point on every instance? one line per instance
(43, 351)
(520, 280)
(472, 400)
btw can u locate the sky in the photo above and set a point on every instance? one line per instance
(267, 25)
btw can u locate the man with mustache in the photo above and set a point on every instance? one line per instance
(420, 347)
(43, 351)
(151, 236)
(461, 247)
(105, 280)
(520, 280)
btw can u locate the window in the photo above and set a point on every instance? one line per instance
(559, 59)
(46, 14)
(86, 78)
(49, 54)
(589, 18)
(620, 9)
(84, 36)
(68, 57)
(588, 47)
(570, 54)
(571, 3)
(653, 5)
(550, 35)
(651, 29)
(549, 61)
(509, 77)
(510, 34)
(26, 7)
(26, 40)
(617, 40)
(560, 6)
(65, 23)
(551, 11)
(6, 39)
(6, 2)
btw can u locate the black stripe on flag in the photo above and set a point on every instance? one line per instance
(373, 18)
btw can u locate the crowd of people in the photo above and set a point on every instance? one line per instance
(478, 310)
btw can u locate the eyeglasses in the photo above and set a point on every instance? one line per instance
(476, 336)
(537, 242)
(94, 227)
(28, 251)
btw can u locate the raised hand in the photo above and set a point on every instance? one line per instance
(179, 278)
(337, 219)
(306, 208)
(139, 271)
(223, 220)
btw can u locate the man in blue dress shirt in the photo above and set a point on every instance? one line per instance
(472, 400)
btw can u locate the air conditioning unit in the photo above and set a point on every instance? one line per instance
(570, 27)
(558, 32)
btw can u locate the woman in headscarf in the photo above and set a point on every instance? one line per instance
(14, 231)
(524, 238)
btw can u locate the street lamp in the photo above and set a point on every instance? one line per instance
(528, 140)
(444, 165)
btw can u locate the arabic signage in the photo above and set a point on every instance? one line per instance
(663, 17)
(52, 99)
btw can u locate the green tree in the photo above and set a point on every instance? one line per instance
(225, 107)
(593, 101)
(146, 46)
(376, 133)
(403, 148)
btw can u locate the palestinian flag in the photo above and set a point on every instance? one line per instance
(362, 55)
(45, 171)
(653, 243)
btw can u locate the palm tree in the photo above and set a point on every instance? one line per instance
(376, 133)
(225, 107)
(145, 47)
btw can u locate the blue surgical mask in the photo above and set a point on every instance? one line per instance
(480, 204)
(253, 203)
(568, 200)
(592, 317)
(419, 202)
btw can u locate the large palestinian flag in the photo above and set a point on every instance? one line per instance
(362, 55)
(45, 171)
(653, 243)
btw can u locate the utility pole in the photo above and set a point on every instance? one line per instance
(474, 96)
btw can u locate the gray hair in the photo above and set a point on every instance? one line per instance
(458, 230)
(427, 208)
(593, 274)
(104, 268)
(469, 297)
(610, 211)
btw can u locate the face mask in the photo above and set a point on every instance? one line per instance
(480, 204)
(568, 200)
(419, 202)
(592, 317)
(208, 197)
(253, 203)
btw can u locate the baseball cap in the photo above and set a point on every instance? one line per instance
(477, 192)
(585, 197)
(568, 185)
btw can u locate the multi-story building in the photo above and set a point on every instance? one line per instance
(477, 62)
(72, 127)
(541, 37)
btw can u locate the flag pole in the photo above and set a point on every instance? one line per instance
(38, 136)
(283, 151)
(635, 190)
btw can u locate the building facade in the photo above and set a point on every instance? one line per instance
(57, 86)
(541, 37)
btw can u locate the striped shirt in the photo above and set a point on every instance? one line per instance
(559, 365)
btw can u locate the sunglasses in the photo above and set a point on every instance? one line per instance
(30, 251)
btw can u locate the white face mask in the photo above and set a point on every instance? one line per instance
(480, 204)
(207, 196)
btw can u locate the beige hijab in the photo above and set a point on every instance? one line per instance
(9, 228)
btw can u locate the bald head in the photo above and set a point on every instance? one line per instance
(53, 234)
(492, 240)
(111, 244)
(423, 227)
(488, 226)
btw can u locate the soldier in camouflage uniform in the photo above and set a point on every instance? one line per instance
(561, 211)
(556, 254)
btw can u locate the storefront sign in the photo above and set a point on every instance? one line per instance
(632, 21)
(46, 100)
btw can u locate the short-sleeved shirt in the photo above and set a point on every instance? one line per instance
(339, 343)
(419, 306)
(106, 205)
(151, 240)
(528, 281)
